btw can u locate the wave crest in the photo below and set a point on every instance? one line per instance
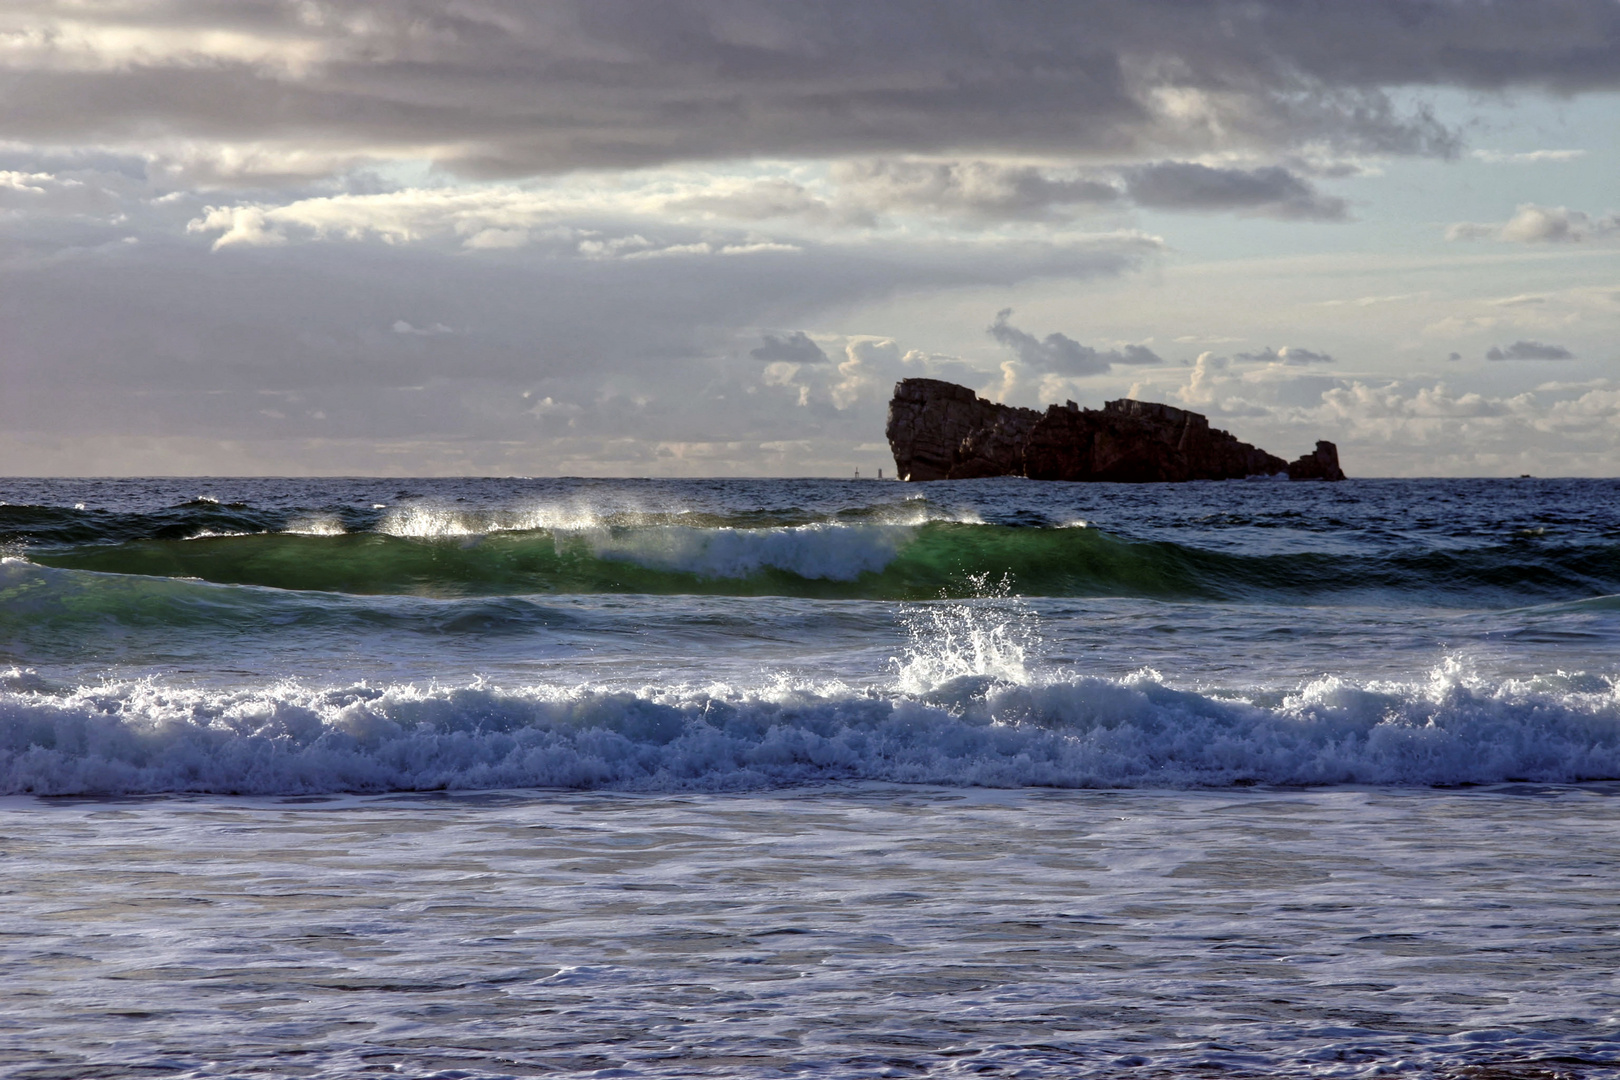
(1076, 732)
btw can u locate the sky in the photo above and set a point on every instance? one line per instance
(706, 237)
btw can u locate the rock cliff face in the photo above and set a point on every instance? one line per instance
(941, 431)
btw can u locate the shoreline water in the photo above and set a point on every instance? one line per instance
(864, 930)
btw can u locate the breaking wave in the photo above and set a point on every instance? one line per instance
(139, 737)
(967, 702)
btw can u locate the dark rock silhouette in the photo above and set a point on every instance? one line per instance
(942, 431)
(1322, 464)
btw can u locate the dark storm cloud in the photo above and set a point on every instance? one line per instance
(503, 88)
(1529, 350)
(794, 348)
(1271, 191)
(1061, 354)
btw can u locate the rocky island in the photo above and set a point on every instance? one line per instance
(941, 431)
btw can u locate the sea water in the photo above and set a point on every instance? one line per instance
(484, 778)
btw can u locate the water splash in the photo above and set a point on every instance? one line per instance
(991, 637)
(316, 525)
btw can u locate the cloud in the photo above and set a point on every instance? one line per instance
(505, 88)
(1059, 354)
(1295, 356)
(1533, 224)
(794, 348)
(1431, 429)
(33, 183)
(762, 200)
(1370, 301)
(1530, 350)
(1272, 191)
(402, 327)
(1531, 157)
(972, 188)
(477, 218)
(1291, 355)
(248, 225)
(647, 348)
(493, 239)
(395, 217)
(992, 191)
(1201, 388)
(1370, 405)
(864, 195)
(607, 200)
(857, 387)
(1419, 427)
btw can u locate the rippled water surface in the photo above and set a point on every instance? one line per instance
(483, 778)
(865, 931)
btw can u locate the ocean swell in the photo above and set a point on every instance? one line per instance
(849, 561)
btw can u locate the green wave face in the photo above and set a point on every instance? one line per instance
(868, 561)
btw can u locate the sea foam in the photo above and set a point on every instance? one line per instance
(1076, 731)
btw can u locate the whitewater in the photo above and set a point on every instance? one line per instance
(855, 778)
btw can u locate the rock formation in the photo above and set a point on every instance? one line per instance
(941, 431)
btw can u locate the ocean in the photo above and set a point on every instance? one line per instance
(784, 778)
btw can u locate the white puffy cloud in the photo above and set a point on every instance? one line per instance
(1204, 382)
(1407, 427)
(1378, 406)
(32, 183)
(1533, 224)
(1416, 426)
(249, 225)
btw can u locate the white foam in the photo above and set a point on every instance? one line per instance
(992, 638)
(325, 525)
(1074, 732)
(916, 510)
(823, 550)
(428, 522)
(423, 521)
